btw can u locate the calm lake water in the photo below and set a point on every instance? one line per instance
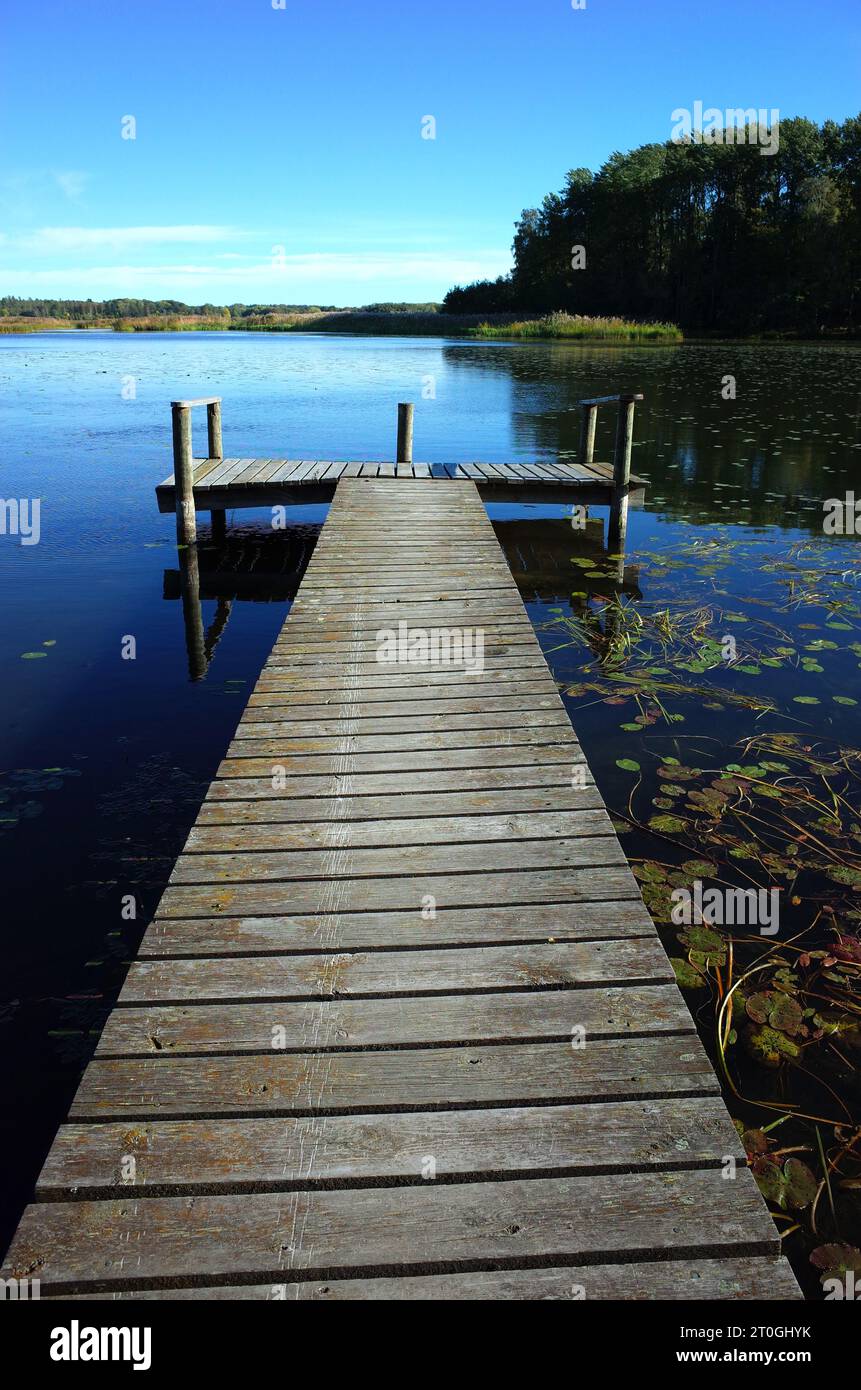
(103, 761)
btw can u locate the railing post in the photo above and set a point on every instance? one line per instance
(183, 475)
(588, 421)
(618, 526)
(218, 517)
(213, 430)
(405, 432)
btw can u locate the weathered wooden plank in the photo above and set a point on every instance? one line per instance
(223, 1154)
(393, 894)
(427, 830)
(731, 1277)
(271, 726)
(293, 1083)
(311, 814)
(392, 860)
(276, 1235)
(536, 966)
(282, 764)
(417, 696)
(264, 785)
(479, 742)
(456, 649)
(369, 714)
(453, 682)
(363, 930)
(170, 1030)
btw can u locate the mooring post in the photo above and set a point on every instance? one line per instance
(405, 433)
(213, 429)
(588, 421)
(183, 474)
(216, 451)
(618, 526)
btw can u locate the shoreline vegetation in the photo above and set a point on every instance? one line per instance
(374, 321)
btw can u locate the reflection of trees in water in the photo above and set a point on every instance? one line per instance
(770, 456)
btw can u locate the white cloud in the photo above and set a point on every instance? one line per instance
(63, 240)
(312, 267)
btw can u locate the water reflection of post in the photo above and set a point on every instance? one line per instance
(192, 613)
(216, 627)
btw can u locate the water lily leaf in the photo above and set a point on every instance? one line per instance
(650, 872)
(800, 1184)
(669, 825)
(757, 1007)
(785, 1014)
(843, 873)
(628, 764)
(769, 1180)
(755, 1142)
(32, 656)
(703, 942)
(686, 976)
(699, 868)
(836, 1259)
(771, 1047)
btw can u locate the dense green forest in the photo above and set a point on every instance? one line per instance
(718, 238)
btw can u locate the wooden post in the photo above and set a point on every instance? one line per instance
(405, 432)
(183, 475)
(213, 429)
(216, 451)
(618, 526)
(588, 421)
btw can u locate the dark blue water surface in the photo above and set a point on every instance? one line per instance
(104, 761)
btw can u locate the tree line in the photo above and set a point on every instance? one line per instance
(91, 310)
(716, 237)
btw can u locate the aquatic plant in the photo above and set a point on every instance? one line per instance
(729, 785)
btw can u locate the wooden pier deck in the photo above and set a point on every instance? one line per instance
(226, 483)
(401, 1026)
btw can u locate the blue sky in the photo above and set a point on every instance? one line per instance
(279, 152)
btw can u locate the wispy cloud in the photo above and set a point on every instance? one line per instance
(281, 271)
(72, 182)
(66, 240)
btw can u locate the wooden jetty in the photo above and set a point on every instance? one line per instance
(401, 1027)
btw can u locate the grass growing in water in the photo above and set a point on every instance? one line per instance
(580, 326)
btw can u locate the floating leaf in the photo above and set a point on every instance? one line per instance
(668, 825)
(771, 1047)
(800, 1184)
(700, 868)
(628, 764)
(686, 976)
(836, 1260)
